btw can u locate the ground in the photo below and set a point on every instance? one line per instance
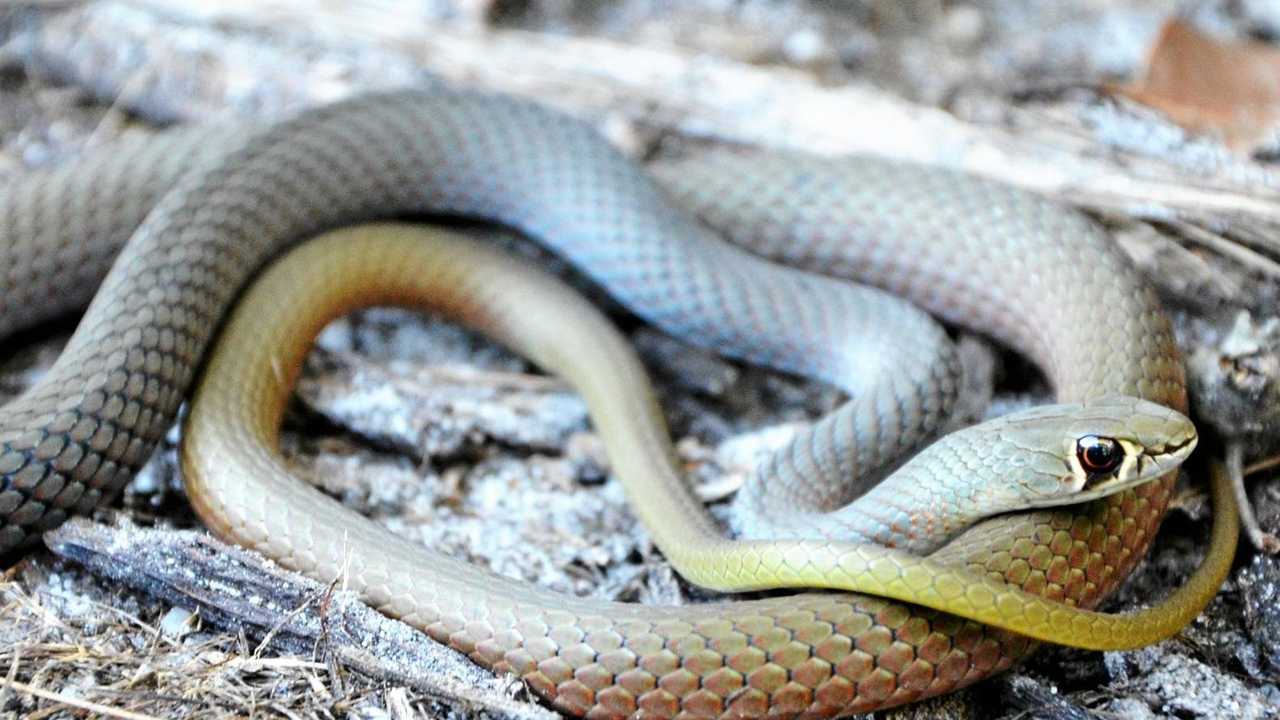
(447, 438)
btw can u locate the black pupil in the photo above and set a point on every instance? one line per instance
(1099, 454)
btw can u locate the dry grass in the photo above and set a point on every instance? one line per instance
(68, 650)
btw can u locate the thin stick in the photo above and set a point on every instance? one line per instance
(93, 707)
(1251, 259)
(1261, 465)
(1261, 539)
(13, 673)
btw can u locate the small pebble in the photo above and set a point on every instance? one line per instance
(178, 622)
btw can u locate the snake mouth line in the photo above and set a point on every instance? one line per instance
(1174, 448)
(1178, 451)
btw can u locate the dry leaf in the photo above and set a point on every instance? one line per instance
(1229, 90)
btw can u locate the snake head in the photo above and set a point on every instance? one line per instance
(1123, 441)
(1095, 449)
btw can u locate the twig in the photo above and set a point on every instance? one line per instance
(93, 707)
(1262, 465)
(199, 68)
(285, 620)
(238, 589)
(12, 676)
(1251, 259)
(1260, 538)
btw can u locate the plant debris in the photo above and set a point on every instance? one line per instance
(1228, 89)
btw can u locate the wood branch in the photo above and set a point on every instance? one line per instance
(193, 59)
(241, 591)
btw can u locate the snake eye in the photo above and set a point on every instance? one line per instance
(1099, 455)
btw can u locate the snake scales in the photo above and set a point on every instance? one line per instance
(82, 431)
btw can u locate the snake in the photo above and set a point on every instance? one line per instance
(175, 227)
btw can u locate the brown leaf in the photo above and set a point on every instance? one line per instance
(1229, 90)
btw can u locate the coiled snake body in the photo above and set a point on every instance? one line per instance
(1042, 280)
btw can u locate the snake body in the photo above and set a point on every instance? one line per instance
(77, 435)
(742, 659)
